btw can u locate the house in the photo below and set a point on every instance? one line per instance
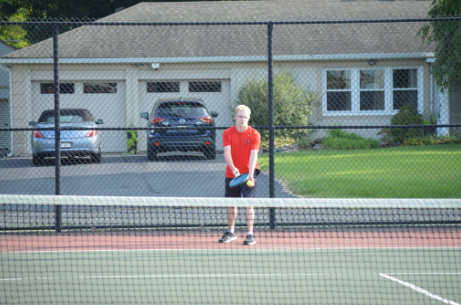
(364, 72)
(5, 113)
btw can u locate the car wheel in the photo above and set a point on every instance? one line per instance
(210, 153)
(96, 158)
(37, 160)
(151, 154)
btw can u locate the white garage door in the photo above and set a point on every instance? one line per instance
(4, 122)
(105, 100)
(214, 93)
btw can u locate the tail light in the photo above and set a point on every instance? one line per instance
(92, 133)
(206, 119)
(207, 143)
(157, 120)
(38, 134)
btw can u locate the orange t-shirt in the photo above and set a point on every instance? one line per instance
(241, 146)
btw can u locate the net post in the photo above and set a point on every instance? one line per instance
(57, 121)
(270, 62)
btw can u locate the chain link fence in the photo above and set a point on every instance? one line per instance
(345, 108)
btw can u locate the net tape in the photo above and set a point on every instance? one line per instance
(237, 202)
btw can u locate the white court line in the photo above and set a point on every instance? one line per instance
(425, 273)
(419, 289)
(241, 249)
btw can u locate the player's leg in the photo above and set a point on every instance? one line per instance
(249, 192)
(230, 235)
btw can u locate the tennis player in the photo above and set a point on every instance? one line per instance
(241, 146)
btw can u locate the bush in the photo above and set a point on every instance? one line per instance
(338, 139)
(292, 104)
(407, 115)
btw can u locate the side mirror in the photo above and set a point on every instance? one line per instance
(32, 123)
(100, 122)
(145, 115)
(214, 114)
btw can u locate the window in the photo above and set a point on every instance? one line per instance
(339, 90)
(361, 91)
(204, 86)
(371, 89)
(161, 87)
(100, 88)
(64, 88)
(405, 88)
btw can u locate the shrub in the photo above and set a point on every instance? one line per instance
(339, 139)
(293, 104)
(407, 115)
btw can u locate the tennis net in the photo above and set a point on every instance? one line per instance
(144, 250)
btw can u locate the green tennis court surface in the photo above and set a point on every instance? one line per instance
(249, 276)
(144, 250)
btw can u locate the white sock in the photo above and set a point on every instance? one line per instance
(231, 231)
(250, 233)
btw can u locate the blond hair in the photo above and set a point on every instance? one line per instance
(243, 108)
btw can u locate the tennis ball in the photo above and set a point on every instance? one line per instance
(250, 183)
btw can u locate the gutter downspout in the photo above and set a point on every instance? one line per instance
(441, 103)
(9, 70)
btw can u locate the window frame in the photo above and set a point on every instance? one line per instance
(355, 90)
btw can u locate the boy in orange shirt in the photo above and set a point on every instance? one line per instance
(241, 146)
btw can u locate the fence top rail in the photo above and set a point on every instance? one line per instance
(201, 23)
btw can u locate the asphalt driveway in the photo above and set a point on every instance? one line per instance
(125, 175)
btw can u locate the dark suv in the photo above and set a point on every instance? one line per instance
(181, 126)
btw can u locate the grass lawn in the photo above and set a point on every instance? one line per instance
(401, 172)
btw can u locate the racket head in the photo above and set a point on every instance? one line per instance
(239, 180)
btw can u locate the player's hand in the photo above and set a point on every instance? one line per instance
(236, 172)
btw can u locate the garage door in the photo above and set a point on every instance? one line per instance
(105, 100)
(214, 93)
(4, 122)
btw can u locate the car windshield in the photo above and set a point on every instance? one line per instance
(67, 116)
(182, 109)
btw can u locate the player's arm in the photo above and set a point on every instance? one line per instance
(229, 161)
(253, 161)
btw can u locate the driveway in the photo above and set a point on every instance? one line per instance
(126, 175)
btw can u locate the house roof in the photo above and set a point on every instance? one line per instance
(166, 42)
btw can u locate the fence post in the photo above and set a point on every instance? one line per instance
(270, 87)
(57, 121)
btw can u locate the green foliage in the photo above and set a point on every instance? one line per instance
(132, 140)
(339, 139)
(15, 35)
(293, 104)
(447, 38)
(407, 115)
(431, 140)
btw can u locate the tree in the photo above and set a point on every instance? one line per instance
(447, 38)
(15, 35)
(293, 104)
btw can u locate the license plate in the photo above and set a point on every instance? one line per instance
(66, 145)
